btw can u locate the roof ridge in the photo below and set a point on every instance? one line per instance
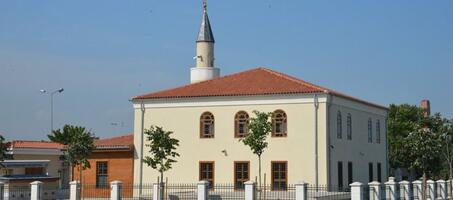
(197, 83)
(294, 79)
(43, 141)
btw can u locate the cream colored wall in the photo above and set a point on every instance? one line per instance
(358, 150)
(52, 168)
(297, 148)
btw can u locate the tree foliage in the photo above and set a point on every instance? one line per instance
(3, 150)
(259, 129)
(161, 148)
(78, 144)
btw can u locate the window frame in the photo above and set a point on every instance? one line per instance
(340, 177)
(235, 174)
(339, 125)
(98, 185)
(202, 125)
(272, 175)
(379, 172)
(200, 163)
(370, 172)
(378, 131)
(350, 172)
(237, 122)
(284, 123)
(370, 130)
(349, 127)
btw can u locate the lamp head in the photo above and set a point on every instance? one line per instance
(60, 90)
(42, 91)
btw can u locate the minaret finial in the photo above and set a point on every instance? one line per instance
(205, 6)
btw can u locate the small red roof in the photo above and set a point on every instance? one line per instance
(258, 81)
(119, 142)
(25, 144)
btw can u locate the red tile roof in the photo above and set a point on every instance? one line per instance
(119, 140)
(25, 144)
(258, 81)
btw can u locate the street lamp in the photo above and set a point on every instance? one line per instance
(51, 104)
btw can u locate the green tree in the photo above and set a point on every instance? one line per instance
(162, 151)
(3, 150)
(78, 146)
(447, 137)
(402, 120)
(259, 128)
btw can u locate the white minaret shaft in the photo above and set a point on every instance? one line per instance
(204, 69)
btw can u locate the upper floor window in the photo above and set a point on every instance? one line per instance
(241, 123)
(370, 131)
(349, 127)
(279, 124)
(207, 125)
(339, 126)
(378, 132)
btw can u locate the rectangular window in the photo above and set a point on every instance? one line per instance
(34, 171)
(241, 174)
(279, 175)
(350, 173)
(370, 131)
(206, 172)
(379, 172)
(370, 172)
(102, 175)
(340, 175)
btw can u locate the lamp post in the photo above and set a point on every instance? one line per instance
(51, 104)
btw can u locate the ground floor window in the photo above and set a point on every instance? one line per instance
(102, 175)
(206, 172)
(340, 175)
(279, 175)
(241, 174)
(370, 172)
(350, 173)
(379, 173)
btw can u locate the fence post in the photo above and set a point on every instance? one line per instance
(2, 190)
(156, 193)
(417, 185)
(36, 190)
(203, 187)
(357, 191)
(301, 191)
(448, 188)
(250, 190)
(74, 190)
(391, 189)
(375, 190)
(442, 188)
(116, 190)
(431, 189)
(405, 190)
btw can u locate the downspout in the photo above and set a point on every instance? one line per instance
(386, 147)
(329, 162)
(316, 106)
(142, 108)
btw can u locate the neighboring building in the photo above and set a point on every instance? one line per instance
(112, 160)
(35, 160)
(319, 135)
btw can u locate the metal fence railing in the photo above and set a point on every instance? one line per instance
(324, 192)
(180, 191)
(54, 192)
(226, 191)
(17, 192)
(269, 192)
(137, 192)
(94, 192)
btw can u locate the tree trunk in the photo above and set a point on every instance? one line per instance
(161, 186)
(424, 185)
(259, 174)
(450, 184)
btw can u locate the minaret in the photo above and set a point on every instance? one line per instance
(204, 69)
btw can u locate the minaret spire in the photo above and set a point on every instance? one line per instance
(204, 69)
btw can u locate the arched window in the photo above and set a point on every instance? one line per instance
(279, 124)
(207, 125)
(339, 126)
(241, 124)
(370, 131)
(349, 127)
(378, 131)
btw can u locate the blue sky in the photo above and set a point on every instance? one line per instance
(104, 52)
